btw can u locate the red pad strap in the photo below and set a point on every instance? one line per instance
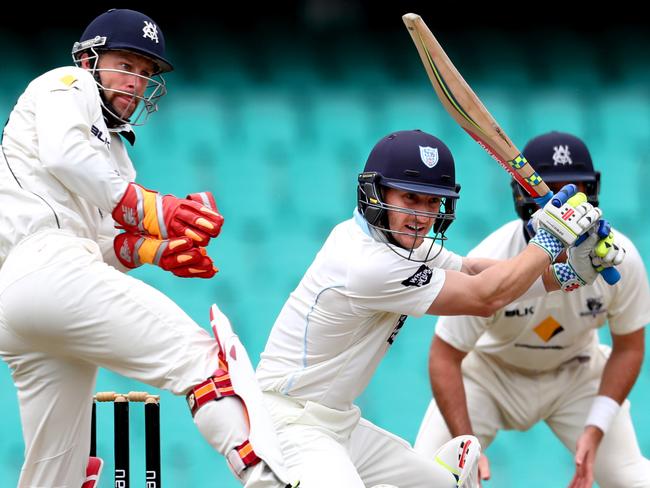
(214, 388)
(247, 454)
(242, 458)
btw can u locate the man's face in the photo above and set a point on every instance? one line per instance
(413, 227)
(131, 65)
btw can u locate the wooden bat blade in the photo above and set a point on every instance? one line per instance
(467, 109)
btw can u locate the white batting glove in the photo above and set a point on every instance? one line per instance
(578, 270)
(585, 263)
(570, 220)
(607, 253)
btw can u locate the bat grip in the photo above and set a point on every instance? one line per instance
(610, 274)
(544, 199)
(564, 194)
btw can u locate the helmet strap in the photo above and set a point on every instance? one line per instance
(108, 110)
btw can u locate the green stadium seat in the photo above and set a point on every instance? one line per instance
(340, 115)
(563, 110)
(412, 108)
(269, 117)
(624, 115)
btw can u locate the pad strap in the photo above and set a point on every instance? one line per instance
(242, 457)
(214, 388)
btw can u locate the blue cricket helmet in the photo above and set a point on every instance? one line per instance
(413, 160)
(409, 160)
(558, 157)
(127, 30)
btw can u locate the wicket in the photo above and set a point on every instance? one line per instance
(121, 434)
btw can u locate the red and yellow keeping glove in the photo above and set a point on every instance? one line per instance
(148, 212)
(180, 255)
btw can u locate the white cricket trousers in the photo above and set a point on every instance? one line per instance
(63, 314)
(501, 398)
(326, 448)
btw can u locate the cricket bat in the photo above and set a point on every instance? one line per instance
(469, 112)
(466, 108)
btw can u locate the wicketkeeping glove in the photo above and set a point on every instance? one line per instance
(144, 211)
(180, 255)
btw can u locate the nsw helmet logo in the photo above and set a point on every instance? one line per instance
(429, 156)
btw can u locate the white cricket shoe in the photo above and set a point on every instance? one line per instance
(460, 457)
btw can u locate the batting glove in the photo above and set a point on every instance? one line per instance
(586, 260)
(180, 255)
(144, 211)
(607, 253)
(562, 220)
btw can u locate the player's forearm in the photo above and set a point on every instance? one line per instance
(503, 283)
(622, 368)
(493, 288)
(474, 266)
(448, 389)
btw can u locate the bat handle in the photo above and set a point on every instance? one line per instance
(610, 274)
(558, 199)
(542, 200)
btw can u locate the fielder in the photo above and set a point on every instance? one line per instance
(373, 271)
(67, 308)
(540, 359)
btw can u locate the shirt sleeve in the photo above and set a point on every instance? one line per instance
(448, 260)
(462, 332)
(387, 282)
(105, 237)
(630, 307)
(64, 120)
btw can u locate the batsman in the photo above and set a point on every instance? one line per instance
(66, 305)
(375, 269)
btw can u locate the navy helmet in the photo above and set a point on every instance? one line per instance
(125, 30)
(412, 161)
(558, 157)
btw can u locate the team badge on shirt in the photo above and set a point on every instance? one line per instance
(68, 80)
(421, 277)
(595, 306)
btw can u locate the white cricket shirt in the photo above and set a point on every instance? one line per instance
(60, 167)
(540, 334)
(345, 313)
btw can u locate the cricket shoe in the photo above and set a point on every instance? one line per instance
(460, 457)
